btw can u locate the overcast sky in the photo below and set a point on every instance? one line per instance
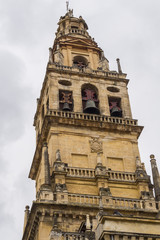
(128, 29)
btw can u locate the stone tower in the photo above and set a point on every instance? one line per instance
(90, 182)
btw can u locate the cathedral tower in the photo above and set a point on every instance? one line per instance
(90, 182)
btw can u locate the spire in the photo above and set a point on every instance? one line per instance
(156, 177)
(45, 159)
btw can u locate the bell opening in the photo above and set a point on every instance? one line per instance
(91, 108)
(66, 107)
(115, 107)
(116, 113)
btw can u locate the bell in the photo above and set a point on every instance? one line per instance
(91, 107)
(66, 107)
(116, 112)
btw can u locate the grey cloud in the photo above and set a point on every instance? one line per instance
(13, 96)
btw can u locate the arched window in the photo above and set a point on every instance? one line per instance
(80, 62)
(90, 100)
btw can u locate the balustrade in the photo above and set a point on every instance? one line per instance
(73, 236)
(80, 172)
(127, 203)
(86, 70)
(83, 199)
(121, 176)
(92, 117)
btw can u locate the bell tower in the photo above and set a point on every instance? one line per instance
(90, 181)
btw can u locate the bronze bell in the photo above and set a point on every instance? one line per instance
(66, 107)
(91, 107)
(116, 112)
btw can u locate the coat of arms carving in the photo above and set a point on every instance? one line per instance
(96, 145)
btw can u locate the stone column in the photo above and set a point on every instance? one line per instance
(45, 162)
(156, 177)
(26, 215)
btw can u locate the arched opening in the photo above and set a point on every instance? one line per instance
(90, 100)
(65, 100)
(80, 62)
(115, 107)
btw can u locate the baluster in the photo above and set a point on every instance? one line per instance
(116, 237)
(133, 237)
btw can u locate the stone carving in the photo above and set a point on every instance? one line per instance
(70, 13)
(145, 195)
(58, 56)
(105, 192)
(96, 145)
(100, 170)
(90, 235)
(61, 187)
(103, 63)
(138, 163)
(55, 235)
(58, 164)
(50, 55)
(58, 155)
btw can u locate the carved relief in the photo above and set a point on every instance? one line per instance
(61, 187)
(96, 145)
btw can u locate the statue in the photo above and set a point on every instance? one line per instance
(50, 55)
(58, 156)
(138, 163)
(58, 56)
(103, 63)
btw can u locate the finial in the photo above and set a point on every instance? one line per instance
(45, 144)
(67, 6)
(152, 156)
(99, 161)
(88, 223)
(27, 208)
(119, 66)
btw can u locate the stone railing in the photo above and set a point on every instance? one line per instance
(90, 173)
(127, 203)
(121, 176)
(78, 31)
(114, 202)
(73, 236)
(91, 117)
(83, 199)
(89, 71)
(80, 172)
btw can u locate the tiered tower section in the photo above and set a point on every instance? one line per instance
(90, 182)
